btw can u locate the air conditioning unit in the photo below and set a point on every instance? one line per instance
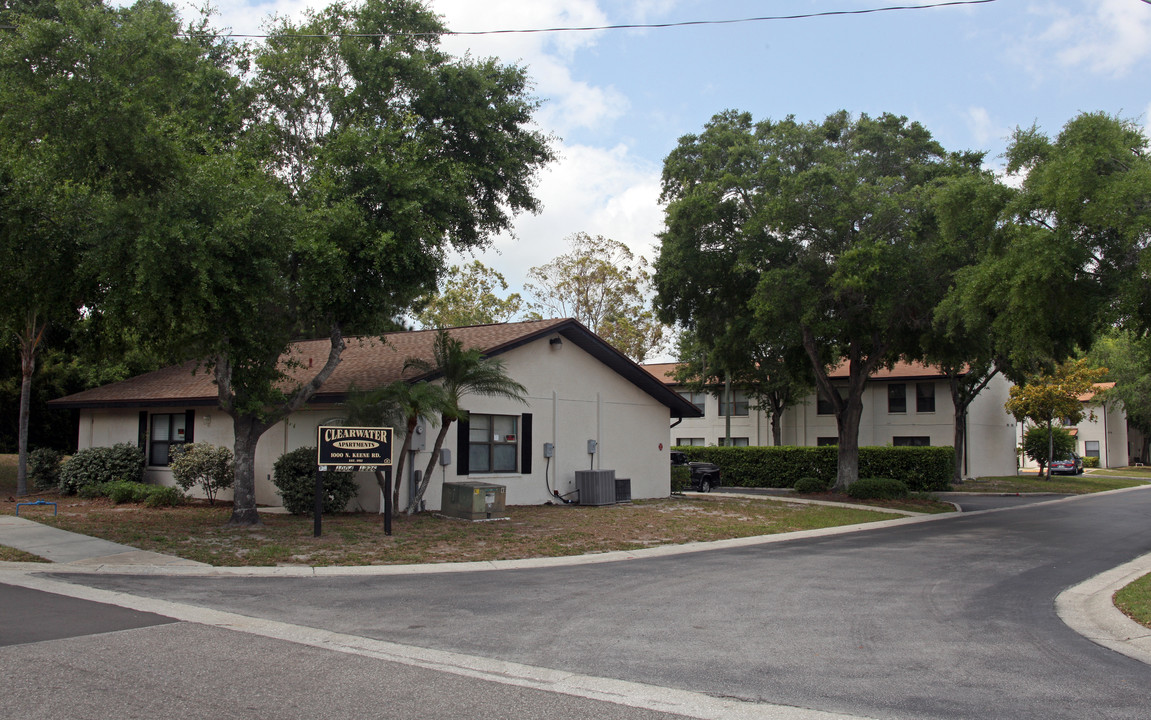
(596, 487)
(473, 500)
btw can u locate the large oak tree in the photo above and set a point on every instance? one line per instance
(311, 185)
(833, 221)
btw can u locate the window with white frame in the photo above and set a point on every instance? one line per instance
(911, 441)
(166, 430)
(738, 403)
(735, 442)
(493, 442)
(1091, 448)
(699, 399)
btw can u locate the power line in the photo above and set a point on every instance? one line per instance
(637, 26)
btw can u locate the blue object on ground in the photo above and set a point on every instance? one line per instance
(37, 502)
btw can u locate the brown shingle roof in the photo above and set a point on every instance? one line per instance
(665, 372)
(365, 363)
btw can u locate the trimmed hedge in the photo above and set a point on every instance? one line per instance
(922, 469)
(97, 465)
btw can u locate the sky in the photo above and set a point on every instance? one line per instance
(617, 101)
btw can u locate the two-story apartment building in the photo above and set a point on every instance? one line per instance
(909, 404)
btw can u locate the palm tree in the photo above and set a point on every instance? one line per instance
(400, 401)
(462, 372)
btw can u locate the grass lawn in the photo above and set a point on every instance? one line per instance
(1069, 484)
(197, 532)
(1135, 600)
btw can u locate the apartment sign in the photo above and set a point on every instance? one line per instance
(344, 448)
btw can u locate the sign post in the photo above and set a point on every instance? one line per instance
(348, 449)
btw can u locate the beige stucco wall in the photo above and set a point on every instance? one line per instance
(572, 397)
(991, 431)
(1108, 428)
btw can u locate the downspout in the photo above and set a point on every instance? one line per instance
(727, 402)
(1106, 440)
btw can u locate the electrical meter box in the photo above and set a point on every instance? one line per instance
(473, 500)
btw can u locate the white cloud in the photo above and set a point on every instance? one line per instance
(599, 191)
(1107, 36)
(982, 128)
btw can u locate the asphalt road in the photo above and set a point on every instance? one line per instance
(946, 619)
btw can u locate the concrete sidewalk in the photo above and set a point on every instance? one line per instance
(69, 548)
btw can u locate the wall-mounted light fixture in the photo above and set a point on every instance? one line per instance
(556, 343)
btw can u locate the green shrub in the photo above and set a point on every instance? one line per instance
(164, 496)
(93, 490)
(92, 466)
(209, 466)
(294, 475)
(1090, 461)
(1035, 442)
(680, 478)
(920, 468)
(809, 485)
(125, 491)
(874, 488)
(44, 468)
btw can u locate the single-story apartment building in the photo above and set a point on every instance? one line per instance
(592, 406)
(907, 404)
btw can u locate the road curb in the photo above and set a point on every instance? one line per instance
(1089, 609)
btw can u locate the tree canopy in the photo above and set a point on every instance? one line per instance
(1057, 395)
(602, 284)
(257, 196)
(469, 295)
(1070, 250)
(832, 228)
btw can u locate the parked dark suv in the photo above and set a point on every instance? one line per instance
(704, 475)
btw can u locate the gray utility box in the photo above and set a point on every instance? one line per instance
(596, 487)
(473, 500)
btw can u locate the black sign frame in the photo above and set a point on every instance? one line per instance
(339, 447)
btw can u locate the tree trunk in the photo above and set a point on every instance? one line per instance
(847, 467)
(960, 442)
(1050, 449)
(22, 442)
(776, 424)
(445, 422)
(399, 470)
(29, 342)
(247, 433)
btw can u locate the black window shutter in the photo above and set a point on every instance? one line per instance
(462, 455)
(189, 424)
(526, 443)
(143, 437)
